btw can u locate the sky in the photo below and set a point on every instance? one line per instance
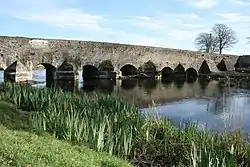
(163, 23)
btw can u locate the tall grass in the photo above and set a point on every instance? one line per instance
(107, 123)
(104, 123)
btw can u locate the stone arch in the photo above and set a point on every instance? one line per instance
(204, 68)
(106, 65)
(222, 65)
(66, 66)
(179, 68)
(166, 72)
(179, 71)
(65, 71)
(50, 71)
(44, 72)
(128, 69)
(191, 73)
(89, 72)
(17, 72)
(148, 68)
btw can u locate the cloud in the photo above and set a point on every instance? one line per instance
(233, 17)
(183, 35)
(119, 36)
(165, 21)
(68, 17)
(201, 3)
(240, 2)
(53, 13)
(146, 22)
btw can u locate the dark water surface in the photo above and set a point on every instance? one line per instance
(213, 105)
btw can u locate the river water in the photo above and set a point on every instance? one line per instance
(210, 104)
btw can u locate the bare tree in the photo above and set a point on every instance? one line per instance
(225, 35)
(206, 42)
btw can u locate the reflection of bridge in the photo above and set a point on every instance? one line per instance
(142, 92)
(65, 58)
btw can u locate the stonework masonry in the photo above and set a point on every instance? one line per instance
(29, 53)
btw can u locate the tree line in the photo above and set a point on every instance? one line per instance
(219, 38)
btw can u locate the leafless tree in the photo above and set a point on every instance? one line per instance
(225, 35)
(206, 42)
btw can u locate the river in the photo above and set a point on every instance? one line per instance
(210, 104)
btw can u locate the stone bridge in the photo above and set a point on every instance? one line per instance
(65, 58)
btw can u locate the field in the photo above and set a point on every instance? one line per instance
(105, 123)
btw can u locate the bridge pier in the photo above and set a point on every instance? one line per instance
(118, 74)
(17, 72)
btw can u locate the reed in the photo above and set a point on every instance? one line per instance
(104, 123)
(108, 124)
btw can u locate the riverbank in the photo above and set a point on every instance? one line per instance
(106, 123)
(20, 146)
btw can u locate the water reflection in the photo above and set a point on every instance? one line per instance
(129, 84)
(208, 102)
(101, 85)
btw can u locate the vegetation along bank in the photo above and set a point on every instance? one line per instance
(108, 125)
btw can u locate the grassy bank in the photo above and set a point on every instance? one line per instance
(18, 147)
(108, 124)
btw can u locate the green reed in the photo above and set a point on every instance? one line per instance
(103, 123)
(107, 123)
(163, 144)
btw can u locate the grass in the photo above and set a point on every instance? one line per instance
(12, 117)
(108, 124)
(103, 123)
(19, 147)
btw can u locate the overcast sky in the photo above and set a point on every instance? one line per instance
(166, 23)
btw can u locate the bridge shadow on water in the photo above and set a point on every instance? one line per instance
(141, 91)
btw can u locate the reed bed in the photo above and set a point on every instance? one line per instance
(106, 123)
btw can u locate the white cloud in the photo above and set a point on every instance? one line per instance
(234, 17)
(55, 13)
(146, 21)
(68, 17)
(166, 21)
(240, 2)
(183, 35)
(201, 3)
(193, 25)
(137, 39)
(187, 16)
